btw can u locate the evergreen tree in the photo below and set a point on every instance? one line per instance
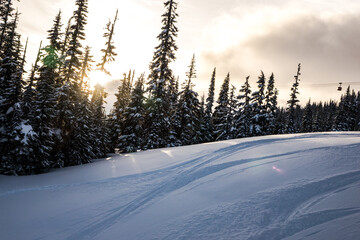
(209, 134)
(73, 103)
(211, 95)
(259, 115)
(83, 138)
(65, 43)
(233, 103)
(131, 139)
(116, 118)
(243, 114)
(115, 124)
(6, 14)
(55, 33)
(293, 103)
(159, 128)
(101, 135)
(280, 121)
(331, 112)
(41, 142)
(357, 112)
(29, 93)
(174, 92)
(354, 111)
(109, 54)
(98, 137)
(222, 111)
(11, 84)
(307, 122)
(320, 120)
(203, 126)
(271, 104)
(345, 119)
(86, 66)
(23, 59)
(189, 110)
(74, 52)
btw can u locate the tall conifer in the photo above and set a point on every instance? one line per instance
(222, 111)
(159, 128)
(293, 103)
(108, 51)
(244, 113)
(189, 110)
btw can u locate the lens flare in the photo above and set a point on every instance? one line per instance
(278, 170)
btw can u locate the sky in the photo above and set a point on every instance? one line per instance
(243, 37)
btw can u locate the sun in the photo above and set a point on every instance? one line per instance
(98, 77)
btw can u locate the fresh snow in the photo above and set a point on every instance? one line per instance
(26, 130)
(304, 186)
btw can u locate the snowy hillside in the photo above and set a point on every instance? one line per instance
(303, 186)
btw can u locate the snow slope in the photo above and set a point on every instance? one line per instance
(304, 186)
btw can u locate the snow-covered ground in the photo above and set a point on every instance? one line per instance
(304, 186)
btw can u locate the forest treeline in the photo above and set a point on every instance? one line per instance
(49, 117)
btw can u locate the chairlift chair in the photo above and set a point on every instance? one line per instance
(340, 87)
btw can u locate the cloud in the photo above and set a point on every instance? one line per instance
(326, 47)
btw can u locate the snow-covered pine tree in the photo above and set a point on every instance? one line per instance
(203, 131)
(86, 66)
(6, 15)
(357, 111)
(72, 119)
(97, 135)
(55, 33)
(271, 104)
(131, 139)
(345, 119)
(293, 103)
(23, 59)
(159, 132)
(85, 137)
(280, 121)
(65, 43)
(354, 111)
(29, 93)
(242, 121)
(74, 51)
(259, 116)
(320, 120)
(101, 134)
(308, 120)
(188, 111)
(116, 117)
(331, 110)
(174, 92)
(110, 138)
(11, 85)
(208, 121)
(108, 51)
(174, 96)
(222, 111)
(211, 95)
(115, 122)
(41, 142)
(233, 104)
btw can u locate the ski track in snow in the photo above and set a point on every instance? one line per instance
(272, 214)
(194, 170)
(282, 203)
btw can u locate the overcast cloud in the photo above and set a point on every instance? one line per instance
(327, 48)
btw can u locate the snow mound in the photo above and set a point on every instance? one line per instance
(304, 186)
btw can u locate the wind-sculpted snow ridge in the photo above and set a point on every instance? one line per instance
(304, 186)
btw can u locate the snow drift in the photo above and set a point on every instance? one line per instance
(304, 186)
